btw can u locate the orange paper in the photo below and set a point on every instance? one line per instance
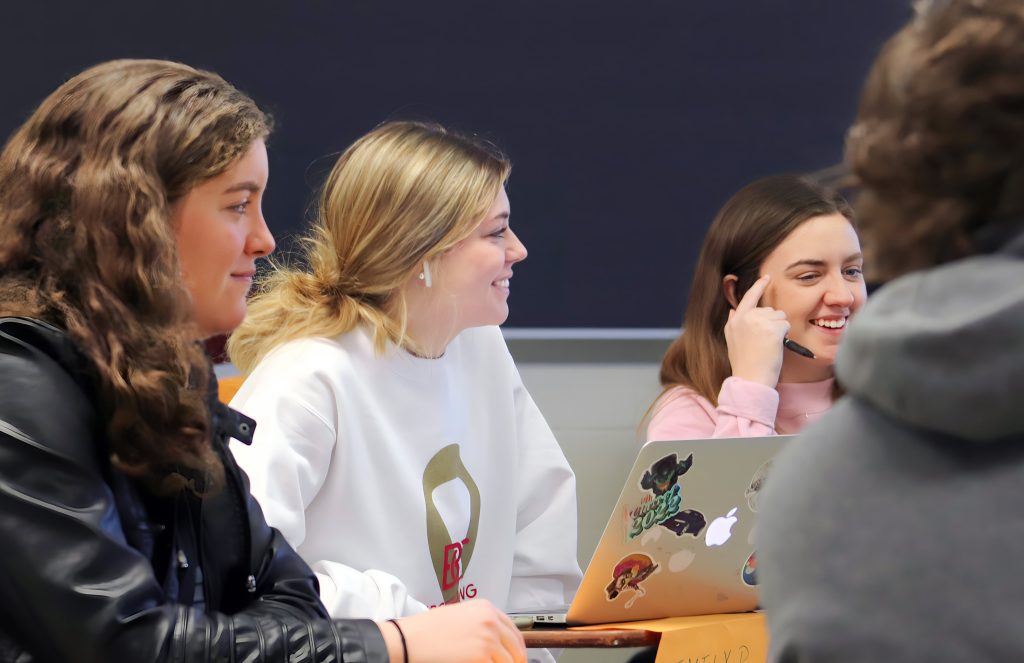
(734, 638)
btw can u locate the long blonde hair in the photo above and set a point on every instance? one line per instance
(400, 195)
(86, 243)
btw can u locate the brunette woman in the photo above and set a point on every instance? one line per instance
(781, 262)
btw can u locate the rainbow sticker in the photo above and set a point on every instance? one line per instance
(749, 572)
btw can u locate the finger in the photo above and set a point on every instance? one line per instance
(510, 627)
(753, 296)
(513, 647)
(766, 313)
(502, 656)
(505, 619)
(519, 641)
(511, 632)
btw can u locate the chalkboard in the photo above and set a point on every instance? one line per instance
(629, 123)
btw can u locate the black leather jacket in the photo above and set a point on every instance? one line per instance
(94, 570)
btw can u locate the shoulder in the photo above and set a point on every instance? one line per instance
(680, 413)
(313, 351)
(681, 397)
(855, 475)
(852, 442)
(43, 393)
(307, 360)
(306, 375)
(483, 349)
(484, 340)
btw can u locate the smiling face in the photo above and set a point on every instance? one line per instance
(474, 274)
(220, 232)
(817, 280)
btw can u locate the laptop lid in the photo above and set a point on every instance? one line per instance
(680, 538)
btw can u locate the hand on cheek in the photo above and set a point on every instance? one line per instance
(754, 335)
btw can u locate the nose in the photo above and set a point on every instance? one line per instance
(839, 293)
(515, 250)
(260, 241)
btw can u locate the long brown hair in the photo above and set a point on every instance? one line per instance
(746, 230)
(86, 243)
(938, 144)
(401, 194)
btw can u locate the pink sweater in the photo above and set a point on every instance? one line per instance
(745, 409)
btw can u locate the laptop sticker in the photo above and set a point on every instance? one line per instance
(665, 473)
(662, 505)
(756, 483)
(749, 572)
(650, 536)
(688, 521)
(681, 560)
(628, 575)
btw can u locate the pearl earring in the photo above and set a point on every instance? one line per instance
(425, 274)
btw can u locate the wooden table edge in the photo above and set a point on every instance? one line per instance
(619, 637)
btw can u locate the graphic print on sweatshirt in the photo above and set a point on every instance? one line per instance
(451, 535)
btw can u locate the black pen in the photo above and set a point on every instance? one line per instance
(797, 348)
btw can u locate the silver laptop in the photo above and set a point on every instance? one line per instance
(680, 540)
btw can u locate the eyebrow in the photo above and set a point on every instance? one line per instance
(503, 216)
(243, 186)
(822, 263)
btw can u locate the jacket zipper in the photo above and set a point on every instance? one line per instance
(236, 480)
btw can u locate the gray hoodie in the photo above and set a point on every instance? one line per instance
(893, 528)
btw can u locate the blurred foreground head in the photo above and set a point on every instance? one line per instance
(938, 144)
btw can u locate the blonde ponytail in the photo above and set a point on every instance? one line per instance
(398, 196)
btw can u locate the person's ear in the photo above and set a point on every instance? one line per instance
(729, 282)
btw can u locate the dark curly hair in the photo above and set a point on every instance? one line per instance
(938, 144)
(86, 243)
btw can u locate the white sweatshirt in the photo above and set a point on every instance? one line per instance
(406, 482)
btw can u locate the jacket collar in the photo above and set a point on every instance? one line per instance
(228, 423)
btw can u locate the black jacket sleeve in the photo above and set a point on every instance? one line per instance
(71, 588)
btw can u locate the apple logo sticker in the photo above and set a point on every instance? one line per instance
(720, 529)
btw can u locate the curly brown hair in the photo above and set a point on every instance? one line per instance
(938, 144)
(86, 243)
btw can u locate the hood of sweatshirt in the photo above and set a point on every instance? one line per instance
(943, 349)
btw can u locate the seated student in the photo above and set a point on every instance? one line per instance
(781, 260)
(130, 225)
(893, 531)
(404, 459)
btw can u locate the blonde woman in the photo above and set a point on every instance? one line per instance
(398, 449)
